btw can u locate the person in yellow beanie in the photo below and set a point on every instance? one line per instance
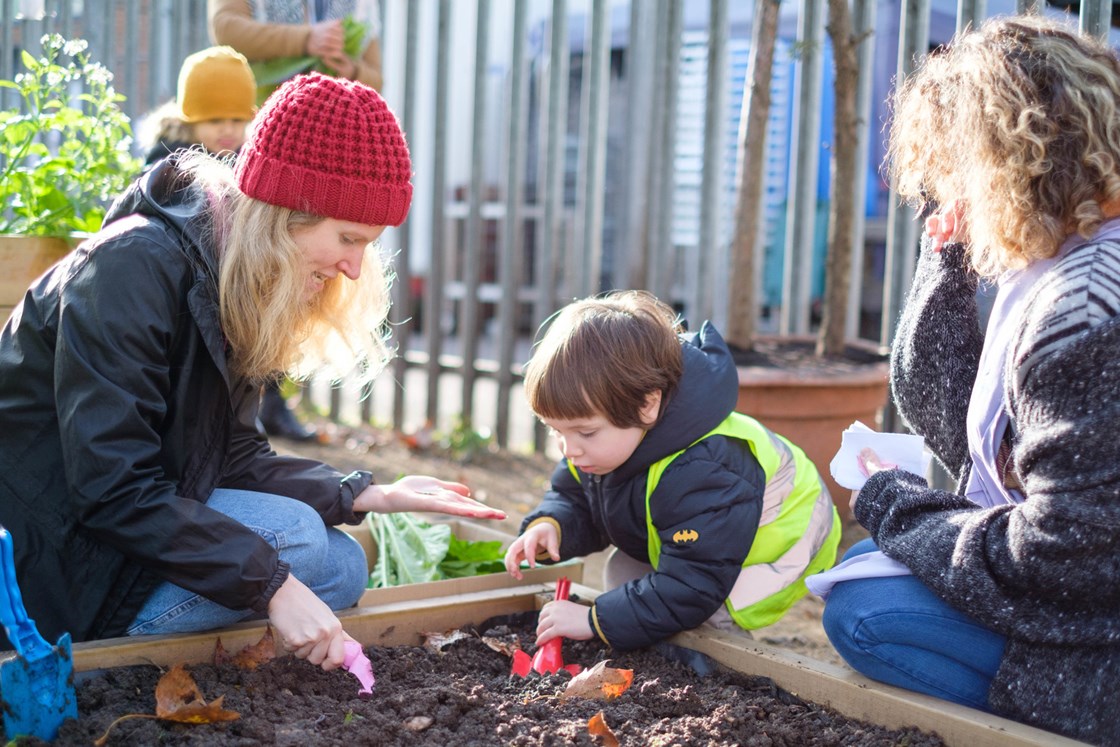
(215, 101)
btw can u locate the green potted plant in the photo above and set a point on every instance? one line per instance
(64, 155)
(807, 389)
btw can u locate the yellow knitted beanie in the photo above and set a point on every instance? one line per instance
(216, 83)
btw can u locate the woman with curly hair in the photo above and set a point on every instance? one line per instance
(1010, 139)
(138, 492)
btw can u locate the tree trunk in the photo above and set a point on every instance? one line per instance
(743, 305)
(842, 168)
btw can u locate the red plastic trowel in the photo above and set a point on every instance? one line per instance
(549, 658)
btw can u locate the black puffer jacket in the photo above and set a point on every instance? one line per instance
(715, 488)
(119, 417)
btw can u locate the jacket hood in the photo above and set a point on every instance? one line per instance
(707, 393)
(163, 192)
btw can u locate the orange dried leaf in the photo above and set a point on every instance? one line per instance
(600, 681)
(179, 699)
(597, 727)
(259, 653)
(221, 656)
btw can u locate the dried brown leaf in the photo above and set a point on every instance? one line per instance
(221, 656)
(261, 652)
(436, 642)
(179, 699)
(597, 727)
(502, 647)
(418, 723)
(599, 682)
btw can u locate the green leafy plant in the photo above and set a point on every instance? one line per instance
(411, 550)
(64, 154)
(468, 558)
(271, 73)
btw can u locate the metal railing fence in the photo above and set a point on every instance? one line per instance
(564, 148)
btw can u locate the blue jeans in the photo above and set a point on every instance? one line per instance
(897, 631)
(328, 561)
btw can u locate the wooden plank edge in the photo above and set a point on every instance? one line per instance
(392, 624)
(452, 586)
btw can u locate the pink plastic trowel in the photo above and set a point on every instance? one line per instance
(358, 664)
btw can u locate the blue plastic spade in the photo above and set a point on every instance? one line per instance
(36, 684)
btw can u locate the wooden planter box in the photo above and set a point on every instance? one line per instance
(22, 259)
(465, 530)
(812, 408)
(397, 623)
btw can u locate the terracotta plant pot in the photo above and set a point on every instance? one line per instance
(22, 259)
(811, 405)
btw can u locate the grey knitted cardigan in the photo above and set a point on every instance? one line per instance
(1045, 573)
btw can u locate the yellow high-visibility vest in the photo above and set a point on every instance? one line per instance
(798, 533)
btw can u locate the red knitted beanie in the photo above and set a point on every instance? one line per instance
(329, 147)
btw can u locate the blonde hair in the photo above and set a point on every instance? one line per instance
(164, 124)
(605, 355)
(271, 327)
(1020, 121)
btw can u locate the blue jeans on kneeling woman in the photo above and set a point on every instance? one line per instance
(895, 630)
(327, 560)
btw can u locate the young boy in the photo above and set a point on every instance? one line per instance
(717, 519)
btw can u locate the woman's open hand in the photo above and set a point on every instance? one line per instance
(424, 494)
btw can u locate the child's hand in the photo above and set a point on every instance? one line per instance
(527, 546)
(563, 620)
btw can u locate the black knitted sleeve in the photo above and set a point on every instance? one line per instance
(936, 352)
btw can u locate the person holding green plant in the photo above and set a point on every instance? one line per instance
(714, 518)
(282, 38)
(140, 496)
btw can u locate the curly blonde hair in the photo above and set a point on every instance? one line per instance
(1018, 122)
(272, 329)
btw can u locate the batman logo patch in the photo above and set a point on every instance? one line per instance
(686, 535)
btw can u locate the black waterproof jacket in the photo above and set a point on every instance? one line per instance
(715, 488)
(119, 417)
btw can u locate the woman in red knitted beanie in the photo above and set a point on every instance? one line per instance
(140, 496)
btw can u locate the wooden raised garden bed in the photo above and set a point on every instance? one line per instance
(385, 620)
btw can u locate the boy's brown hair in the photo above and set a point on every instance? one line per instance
(605, 355)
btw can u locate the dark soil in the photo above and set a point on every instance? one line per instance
(465, 695)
